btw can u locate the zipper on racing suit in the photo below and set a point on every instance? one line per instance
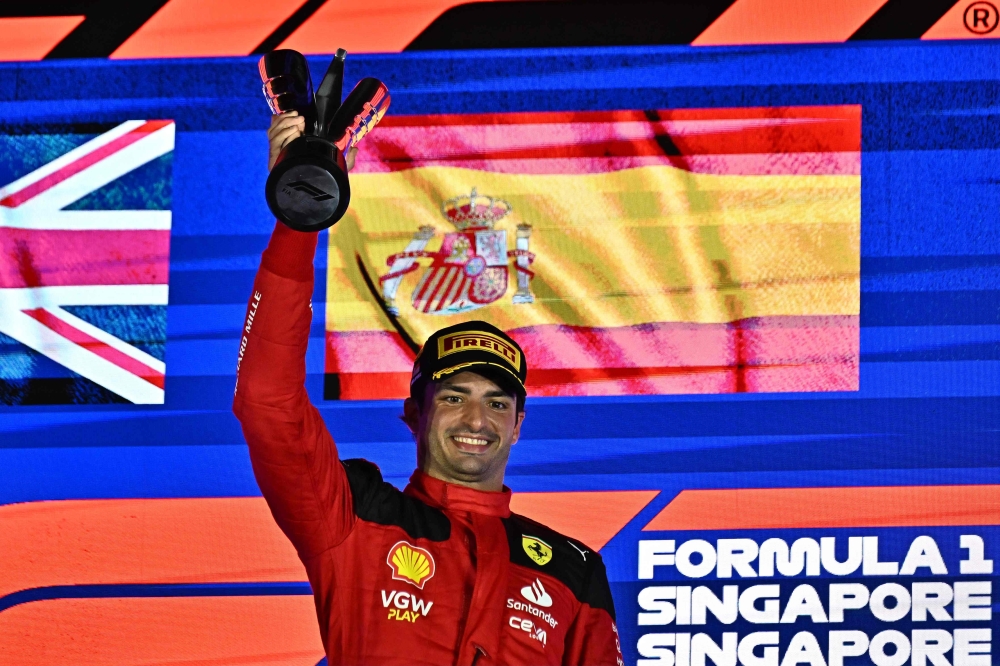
(480, 652)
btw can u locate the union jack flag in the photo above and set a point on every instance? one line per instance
(83, 279)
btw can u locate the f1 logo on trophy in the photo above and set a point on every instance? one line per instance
(308, 188)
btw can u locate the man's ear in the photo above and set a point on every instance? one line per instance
(411, 415)
(517, 428)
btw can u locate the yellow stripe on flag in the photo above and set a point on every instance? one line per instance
(636, 246)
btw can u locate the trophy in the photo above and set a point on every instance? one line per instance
(308, 188)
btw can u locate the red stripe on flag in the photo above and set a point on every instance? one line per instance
(842, 112)
(767, 354)
(797, 508)
(610, 140)
(85, 161)
(373, 385)
(37, 257)
(748, 164)
(102, 349)
(372, 351)
(636, 381)
(824, 140)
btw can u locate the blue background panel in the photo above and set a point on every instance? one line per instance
(927, 412)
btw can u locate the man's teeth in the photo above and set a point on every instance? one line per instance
(473, 441)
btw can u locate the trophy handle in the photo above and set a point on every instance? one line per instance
(287, 85)
(359, 114)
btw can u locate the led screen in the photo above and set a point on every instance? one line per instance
(757, 287)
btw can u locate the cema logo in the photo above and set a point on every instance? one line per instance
(411, 564)
(528, 627)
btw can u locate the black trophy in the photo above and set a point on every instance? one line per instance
(307, 188)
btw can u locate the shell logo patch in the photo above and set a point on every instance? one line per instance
(411, 564)
(537, 550)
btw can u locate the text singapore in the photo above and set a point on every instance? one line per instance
(824, 604)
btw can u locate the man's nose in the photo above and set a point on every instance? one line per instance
(475, 415)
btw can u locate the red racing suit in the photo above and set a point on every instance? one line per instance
(434, 574)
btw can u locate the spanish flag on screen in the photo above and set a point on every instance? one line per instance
(628, 252)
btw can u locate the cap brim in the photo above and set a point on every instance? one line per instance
(499, 376)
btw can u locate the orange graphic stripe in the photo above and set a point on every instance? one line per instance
(885, 506)
(197, 28)
(375, 26)
(198, 631)
(203, 540)
(968, 19)
(591, 517)
(787, 22)
(216, 540)
(31, 38)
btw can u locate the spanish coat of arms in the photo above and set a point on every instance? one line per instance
(470, 269)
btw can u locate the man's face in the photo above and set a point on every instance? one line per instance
(465, 428)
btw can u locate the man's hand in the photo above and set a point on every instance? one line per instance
(287, 127)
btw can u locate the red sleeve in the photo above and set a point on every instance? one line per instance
(592, 639)
(293, 455)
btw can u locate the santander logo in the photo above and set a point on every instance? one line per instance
(536, 594)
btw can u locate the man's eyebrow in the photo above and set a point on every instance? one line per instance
(498, 394)
(456, 389)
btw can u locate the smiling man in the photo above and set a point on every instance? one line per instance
(441, 572)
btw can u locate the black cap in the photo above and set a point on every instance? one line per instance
(473, 346)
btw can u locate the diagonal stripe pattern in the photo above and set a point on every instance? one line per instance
(193, 28)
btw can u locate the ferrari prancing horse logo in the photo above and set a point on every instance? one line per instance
(537, 550)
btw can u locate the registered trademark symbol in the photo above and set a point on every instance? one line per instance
(981, 17)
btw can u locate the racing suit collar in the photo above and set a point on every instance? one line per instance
(452, 497)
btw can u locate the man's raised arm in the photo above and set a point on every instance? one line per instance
(294, 457)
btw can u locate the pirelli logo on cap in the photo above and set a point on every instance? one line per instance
(465, 340)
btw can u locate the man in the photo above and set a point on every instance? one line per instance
(442, 572)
